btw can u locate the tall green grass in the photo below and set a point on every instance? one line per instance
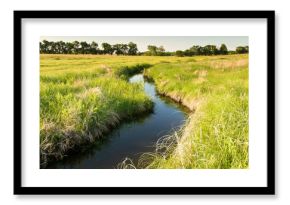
(78, 108)
(82, 97)
(216, 134)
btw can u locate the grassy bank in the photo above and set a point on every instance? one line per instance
(82, 97)
(216, 134)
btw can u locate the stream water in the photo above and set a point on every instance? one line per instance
(130, 139)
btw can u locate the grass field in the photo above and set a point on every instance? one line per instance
(216, 134)
(82, 97)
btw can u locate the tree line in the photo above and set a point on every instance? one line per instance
(76, 47)
(211, 50)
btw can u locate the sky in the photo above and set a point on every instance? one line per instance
(170, 43)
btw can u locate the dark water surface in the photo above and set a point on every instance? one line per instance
(130, 139)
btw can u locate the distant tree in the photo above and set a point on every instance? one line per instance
(84, 47)
(62, 47)
(242, 49)
(58, 47)
(118, 49)
(247, 49)
(45, 46)
(202, 51)
(94, 48)
(124, 49)
(194, 50)
(69, 47)
(223, 50)
(107, 48)
(179, 53)
(152, 50)
(132, 49)
(210, 50)
(42, 48)
(187, 52)
(160, 51)
(156, 51)
(55, 47)
(76, 47)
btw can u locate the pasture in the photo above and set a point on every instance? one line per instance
(85, 97)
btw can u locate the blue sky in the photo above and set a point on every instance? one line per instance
(170, 43)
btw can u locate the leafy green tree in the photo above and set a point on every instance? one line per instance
(152, 50)
(124, 49)
(121, 49)
(187, 52)
(223, 49)
(242, 49)
(46, 46)
(62, 47)
(94, 48)
(195, 50)
(58, 47)
(179, 53)
(132, 48)
(160, 51)
(156, 51)
(118, 49)
(54, 47)
(210, 50)
(76, 47)
(42, 47)
(69, 47)
(107, 48)
(84, 47)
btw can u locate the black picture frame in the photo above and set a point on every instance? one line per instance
(268, 190)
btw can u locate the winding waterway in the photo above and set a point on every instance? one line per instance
(131, 139)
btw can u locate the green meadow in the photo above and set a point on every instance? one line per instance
(84, 97)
